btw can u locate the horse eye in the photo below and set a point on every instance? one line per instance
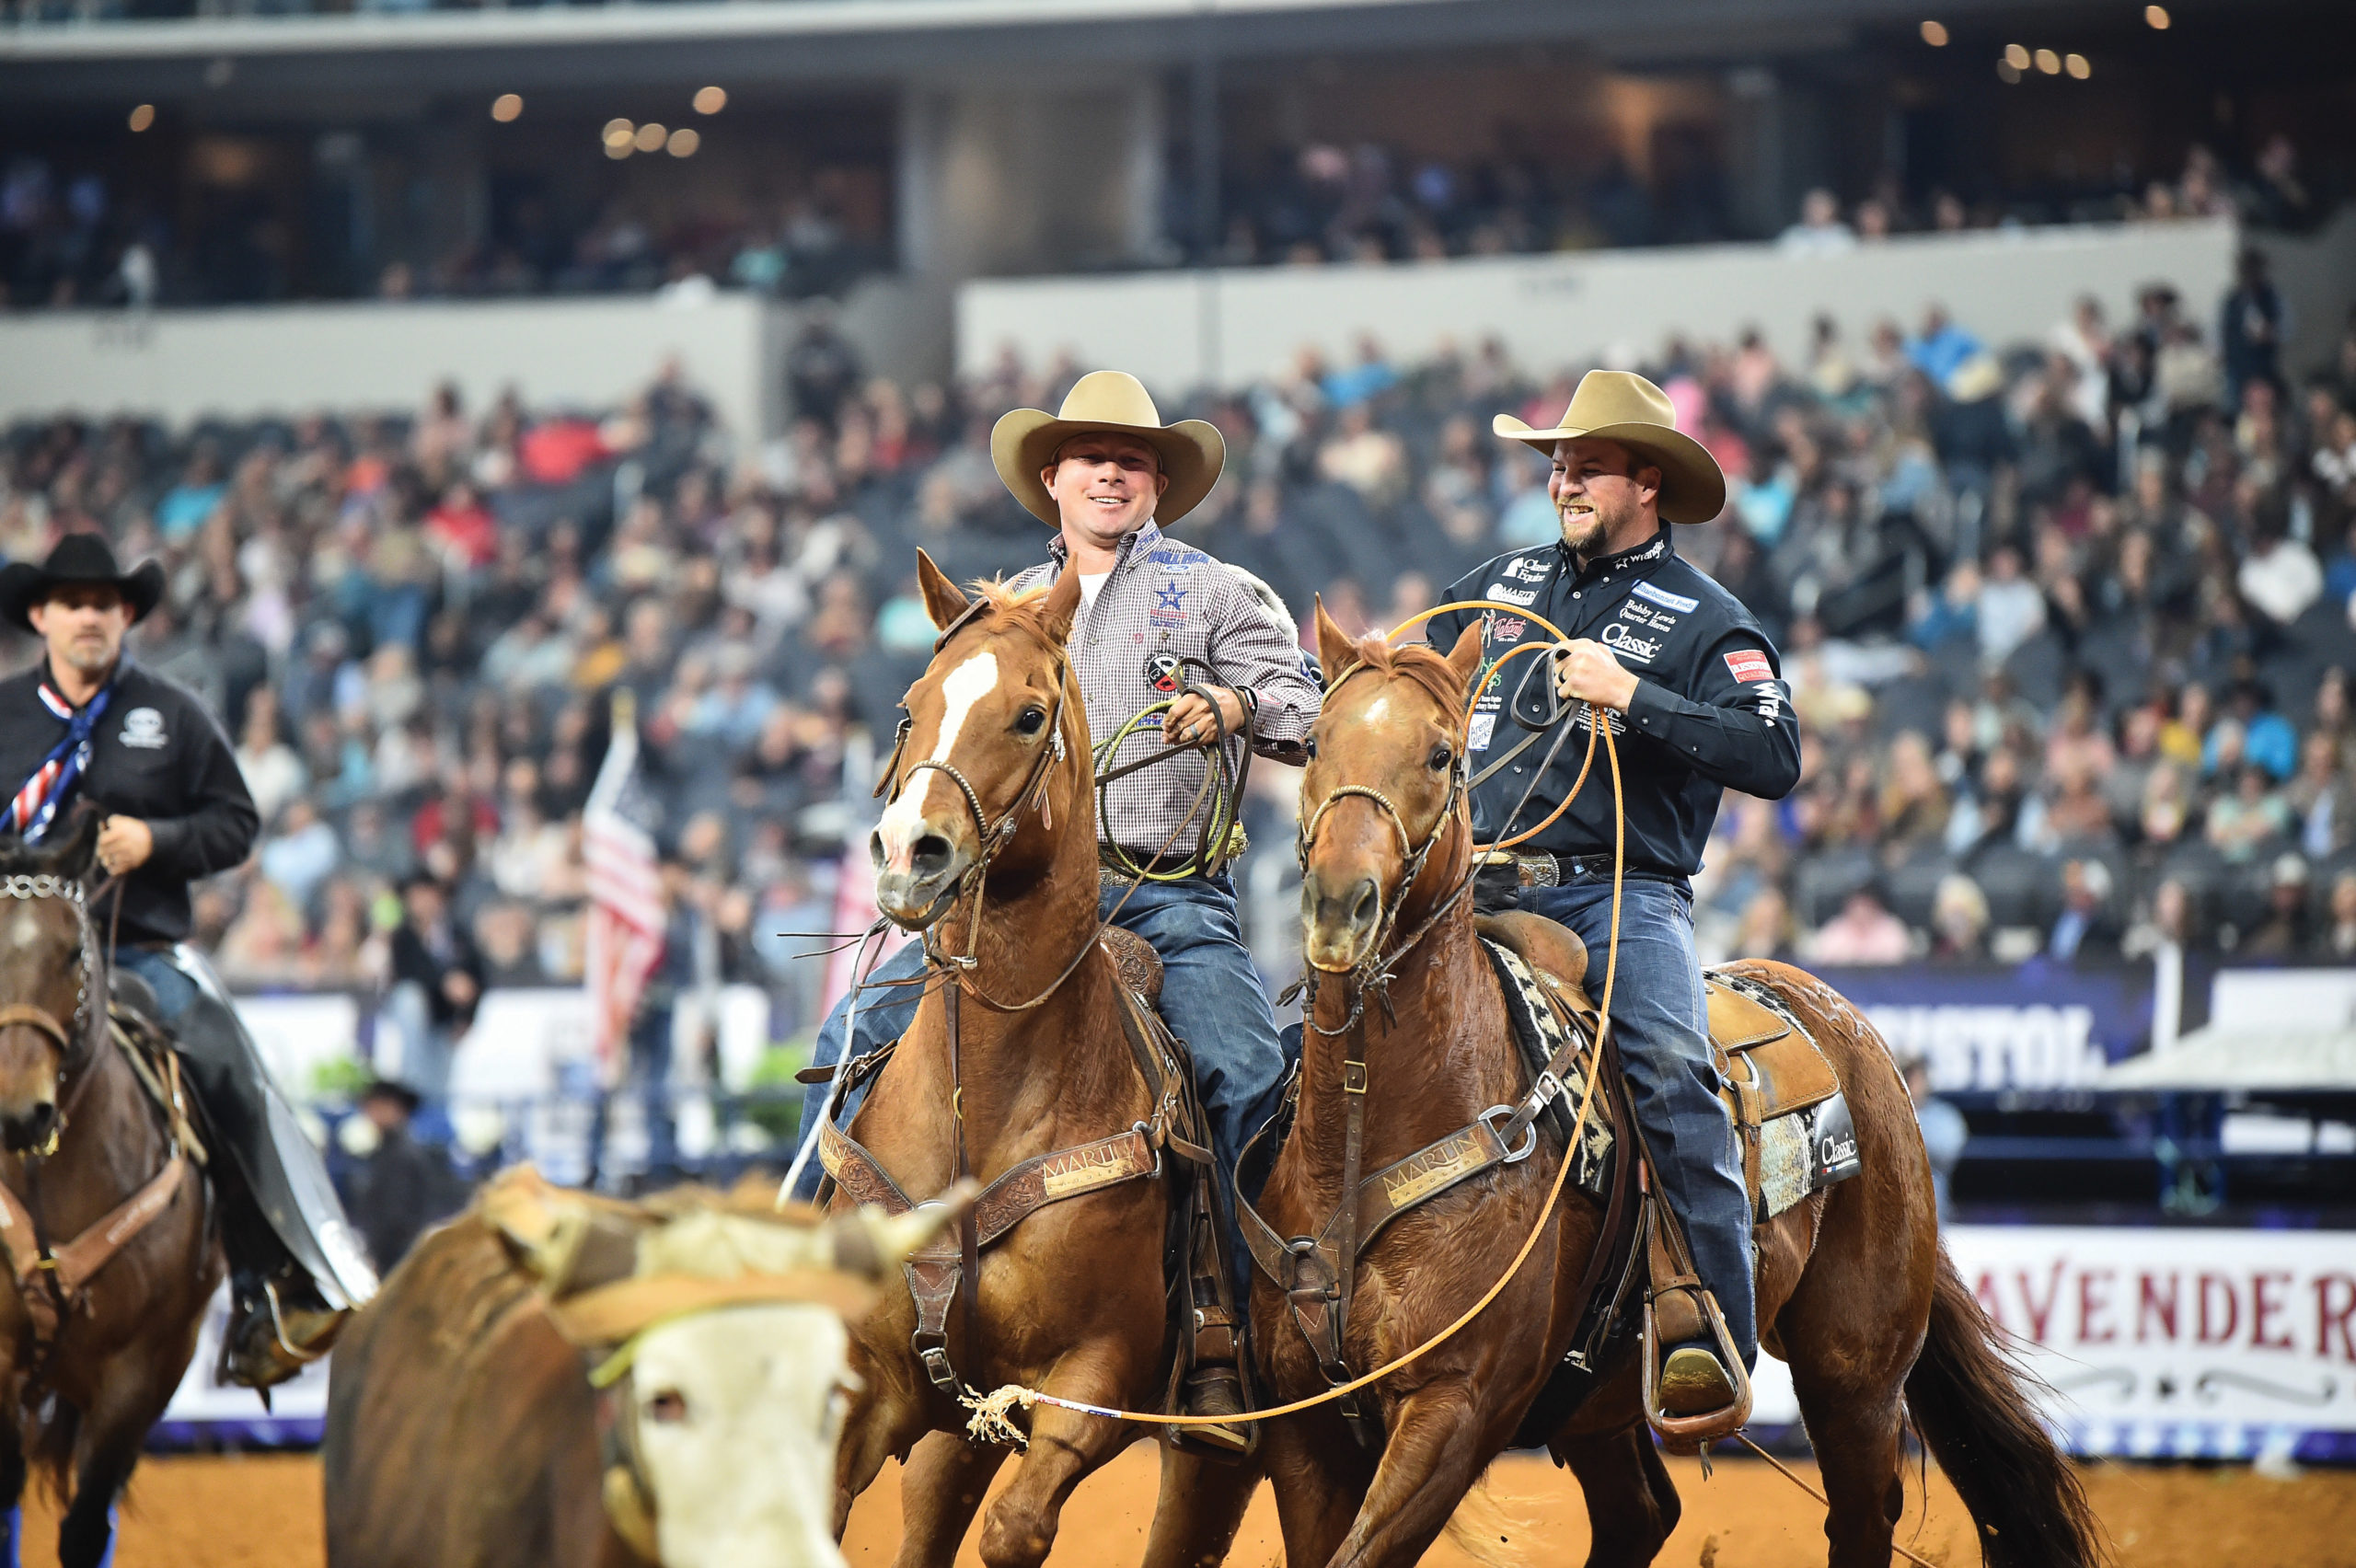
(1440, 757)
(1031, 720)
(669, 1407)
(1312, 745)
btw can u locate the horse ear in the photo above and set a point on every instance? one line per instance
(1062, 606)
(1465, 657)
(1336, 650)
(72, 853)
(944, 600)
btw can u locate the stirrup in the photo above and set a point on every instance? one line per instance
(1217, 1389)
(1686, 1433)
(278, 1328)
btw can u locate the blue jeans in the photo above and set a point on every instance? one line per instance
(175, 992)
(1211, 997)
(1660, 1027)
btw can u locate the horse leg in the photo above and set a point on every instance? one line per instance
(1632, 1504)
(1200, 1509)
(12, 1489)
(1066, 1447)
(113, 1429)
(1316, 1495)
(1855, 1433)
(1431, 1461)
(879, 1426)
(940, 1494)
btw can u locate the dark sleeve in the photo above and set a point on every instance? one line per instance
(1737, 729)
(217, 829)
(1442, 630)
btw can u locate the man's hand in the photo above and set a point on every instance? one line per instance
(1189, 718)
(125, 844)
(1586, 671)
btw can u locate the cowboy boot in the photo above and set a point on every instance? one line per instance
(1693, 1381)
(278, 1325)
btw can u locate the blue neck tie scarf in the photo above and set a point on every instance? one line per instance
(36, 803)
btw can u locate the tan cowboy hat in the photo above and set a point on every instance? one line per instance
(1026, 441)
(1613, 404)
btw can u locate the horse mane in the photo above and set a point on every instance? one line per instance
(1416, 661)
(1024, 608)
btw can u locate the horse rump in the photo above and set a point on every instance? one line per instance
(1969, 1398)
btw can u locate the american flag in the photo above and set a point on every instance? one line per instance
(626, 913)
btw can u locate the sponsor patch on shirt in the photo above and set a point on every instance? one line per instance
(1176, 558)
(1527, 569)
(1169, 603)
(1165, 674)
(1484, 726)
(1750, 666)
(144, 728)
(1507, 628)
(1668, 600)
(1504, 594)
(1628, 643)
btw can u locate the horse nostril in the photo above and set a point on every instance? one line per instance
(928, 854)
(31, 1129)
(875, 849)
(1368, 903)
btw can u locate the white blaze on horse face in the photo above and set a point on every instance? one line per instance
(904, 820)
(740, 1460)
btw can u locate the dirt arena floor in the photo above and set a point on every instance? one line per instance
(263, 1512)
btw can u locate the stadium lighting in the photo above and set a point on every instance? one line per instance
(683, 141)
(2049, 62)
(617, 130)
(710, 100)
(2158, 16)
(507, 107)
(2077, 65)
(2009, 71)
(2016, 56)
(143, 117)
(651, 137)
(1934, 34)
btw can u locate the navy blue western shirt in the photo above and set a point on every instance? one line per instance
(1710, 711)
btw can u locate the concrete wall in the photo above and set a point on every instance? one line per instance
(1184, 330)
(2318, 276)
(588, 354)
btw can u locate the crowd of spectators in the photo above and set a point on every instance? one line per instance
(2068, 626)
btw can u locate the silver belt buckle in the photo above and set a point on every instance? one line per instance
(1539, 870)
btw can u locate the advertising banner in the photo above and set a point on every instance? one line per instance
(2168, 1342)
(2037, 1026)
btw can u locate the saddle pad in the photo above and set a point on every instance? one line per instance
(1539, 1032)
(1805, 1152)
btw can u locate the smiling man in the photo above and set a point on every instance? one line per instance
(88, 723)
(1156, 619)
(1696, 703)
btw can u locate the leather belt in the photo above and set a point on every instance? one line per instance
(1544, 870)
(1160, 864)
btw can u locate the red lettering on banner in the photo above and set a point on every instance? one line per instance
(2333, 1320)
(2089, 1304)
(1991, 1301)
(2233, 1309)
(2040, 1313)
(2150, 1304)
(2265, 1307)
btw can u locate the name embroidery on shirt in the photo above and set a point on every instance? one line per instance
(1668, 600)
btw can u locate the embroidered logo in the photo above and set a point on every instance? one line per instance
(1527, 569)
(1668, 600)
(1504, 594)
(1750, 666)
(1507, 628)
(1177, 557)
(1165, 674)
(1169, 602)
(1484, 726)
(144, 728)
(1628, 645)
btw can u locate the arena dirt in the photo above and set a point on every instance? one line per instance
(263, 1512)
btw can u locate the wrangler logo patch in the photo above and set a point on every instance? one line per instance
(1750, 666)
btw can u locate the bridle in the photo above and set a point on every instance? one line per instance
(1375, 971)
(88, 1022)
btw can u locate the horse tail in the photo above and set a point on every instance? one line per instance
(1969, 1398)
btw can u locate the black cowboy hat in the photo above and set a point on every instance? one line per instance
(78, 558)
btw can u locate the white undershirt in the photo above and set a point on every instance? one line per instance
(1090, 584)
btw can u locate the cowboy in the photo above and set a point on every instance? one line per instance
(1158, 620)
(1697, 703)
(88, 723)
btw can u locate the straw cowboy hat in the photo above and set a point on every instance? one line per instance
(1026, 441)
(1613, 404)
(78, 558)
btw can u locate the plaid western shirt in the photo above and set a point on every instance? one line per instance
(1166, 602)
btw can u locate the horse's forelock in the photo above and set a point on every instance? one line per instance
(1424, 666)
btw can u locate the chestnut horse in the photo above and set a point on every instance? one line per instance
(109, 1335)
(1854, 1291)
(992, 785)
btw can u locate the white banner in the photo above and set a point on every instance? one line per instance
(2221, 1344)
